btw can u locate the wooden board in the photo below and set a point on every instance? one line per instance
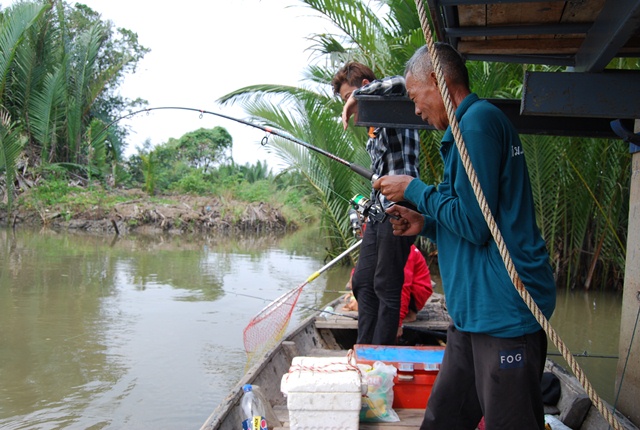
(409, 419)
(527, 13)
(433, 316)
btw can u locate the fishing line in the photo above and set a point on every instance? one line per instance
(585, 354)
(302, 307)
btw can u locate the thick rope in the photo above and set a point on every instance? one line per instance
(495, 231)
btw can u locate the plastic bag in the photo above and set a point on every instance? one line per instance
(377, 404)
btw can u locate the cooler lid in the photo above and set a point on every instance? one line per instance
(321, 374)
(405, 358)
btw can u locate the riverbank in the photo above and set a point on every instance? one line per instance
(126, 211)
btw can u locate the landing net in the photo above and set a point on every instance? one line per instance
(266, 329)
(270, 324)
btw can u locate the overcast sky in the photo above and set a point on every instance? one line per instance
(203, 49)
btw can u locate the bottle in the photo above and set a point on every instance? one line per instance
(253, 410)
(326, 312)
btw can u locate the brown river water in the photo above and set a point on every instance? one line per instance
(146, 332)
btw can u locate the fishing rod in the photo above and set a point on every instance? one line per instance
(362, 171)
(363, 205)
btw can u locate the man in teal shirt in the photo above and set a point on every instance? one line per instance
(496, 349)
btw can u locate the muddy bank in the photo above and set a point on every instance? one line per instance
(141, 214)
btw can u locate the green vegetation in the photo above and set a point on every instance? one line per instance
(581, 185)
(198, 163)
(60, 69)
(61, 66)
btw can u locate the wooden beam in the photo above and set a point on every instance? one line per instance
(520, 46)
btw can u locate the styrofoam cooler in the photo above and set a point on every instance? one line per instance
(323, 393)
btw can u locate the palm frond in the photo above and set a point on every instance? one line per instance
(542, 153)
(17, 20)
(243, 94)
(46, 111)
(308, 119)
(361, 32)
(10, 146)
(80, 68)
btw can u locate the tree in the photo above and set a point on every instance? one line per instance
(382, 34)
(11, 144)
(581, 186)
(205, 148)
(60, 74)
(13, 28)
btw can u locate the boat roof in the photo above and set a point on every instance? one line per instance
(583, 34)
(583, 38)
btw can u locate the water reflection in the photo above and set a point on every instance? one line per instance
(589, 324)
(142, 332)
(146, 332)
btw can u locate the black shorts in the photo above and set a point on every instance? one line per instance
(491, 377)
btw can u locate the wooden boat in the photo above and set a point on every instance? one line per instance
(335, 335)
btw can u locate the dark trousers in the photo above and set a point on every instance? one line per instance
(377, 283)
(482, 375)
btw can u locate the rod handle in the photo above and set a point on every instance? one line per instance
(363, 171)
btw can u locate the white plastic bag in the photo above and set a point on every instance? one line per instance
(377, 404)
(554, 423)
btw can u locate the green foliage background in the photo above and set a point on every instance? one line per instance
(581, 186)
(61, 66)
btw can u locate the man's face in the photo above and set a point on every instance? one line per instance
(346, 90)
(428, 102)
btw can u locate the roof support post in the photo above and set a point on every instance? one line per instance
(630, 389)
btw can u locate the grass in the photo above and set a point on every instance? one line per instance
(71, 201)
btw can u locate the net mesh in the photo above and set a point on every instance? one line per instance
(266, 329)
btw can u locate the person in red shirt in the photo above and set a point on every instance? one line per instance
(416, 289)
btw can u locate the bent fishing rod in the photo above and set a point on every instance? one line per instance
(364, 206)
(362, 171)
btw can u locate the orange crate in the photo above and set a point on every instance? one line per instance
(417, 370)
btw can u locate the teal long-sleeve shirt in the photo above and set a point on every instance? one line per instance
(480, 295)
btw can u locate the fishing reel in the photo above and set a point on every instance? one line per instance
(367, 208)
(356, 222)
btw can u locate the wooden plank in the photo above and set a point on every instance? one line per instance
(472, 16)
(409, 419)
(574, 403)
(433, 316)
(630, 392)
(345, 324)
(525, 14)
(521, 46)
(582, 11)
